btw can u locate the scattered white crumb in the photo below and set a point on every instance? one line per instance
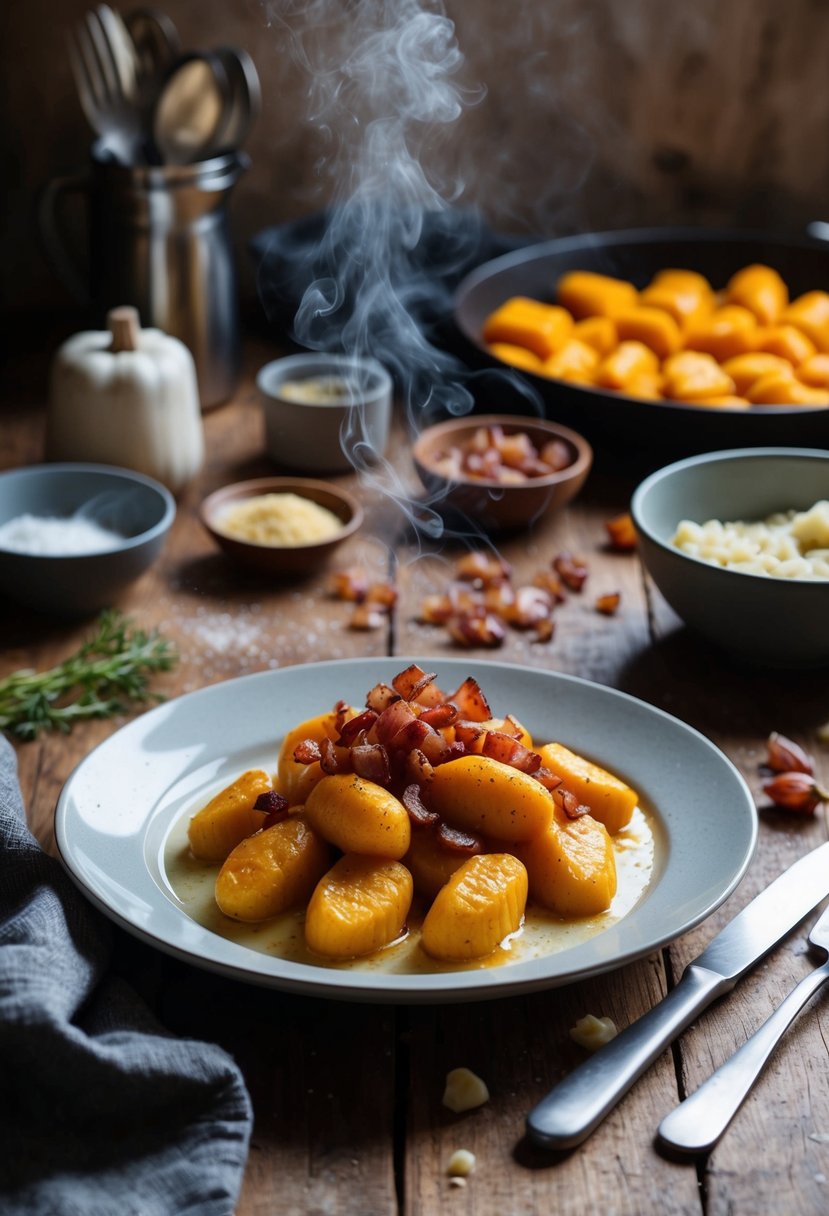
(464, 1090)
(461, 1163)
(456, 1181)
(592, 1032)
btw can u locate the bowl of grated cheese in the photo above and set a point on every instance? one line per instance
(281, 525)
(74, 536)
(738, 543)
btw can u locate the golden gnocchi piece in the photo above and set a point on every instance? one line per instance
(358, 907)
(490, 798)
(608, 798)
(571, 867)
(228, 817)
(295, 779)
(359, 816)
(481, 904)
(273, 870)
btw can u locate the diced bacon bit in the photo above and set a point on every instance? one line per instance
(341, 712)
(411, 682)
(551, 583)
(435, 609)
(551, 781)
(419, 813)
(609, 603)
(367, 616)
(417, 769)
(334, 759)
(274, 805)
(380, 697)
(470, 734)
(569, 803)
(382, 593)
(371, 761)
(354, 726)
(483, 568)
(437, 749)
(307, 751)
(392, 720)
(473, 629)
(532, 604)
(557, 454)
(545, 629)
(350, 585)
(572, 569)
(499, 746)
(457, 841)
(499, 598)
(471, 702)
(441, 715)
(622, 532)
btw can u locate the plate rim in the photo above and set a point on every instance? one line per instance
(386, 987)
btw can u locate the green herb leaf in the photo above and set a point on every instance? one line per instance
(107, 675)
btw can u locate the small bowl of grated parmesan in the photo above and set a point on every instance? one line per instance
(738, 544)
(281, 525)
(74, 536)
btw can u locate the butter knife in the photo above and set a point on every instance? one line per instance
(696, 1124)
(577, 1105)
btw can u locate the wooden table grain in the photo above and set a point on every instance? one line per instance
(347, 1097)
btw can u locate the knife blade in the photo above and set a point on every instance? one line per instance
(577, 1105)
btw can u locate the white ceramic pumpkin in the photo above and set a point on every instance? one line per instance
(127, 396)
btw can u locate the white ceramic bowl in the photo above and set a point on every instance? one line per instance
(775, 622)
(137, 508)
(345, 430)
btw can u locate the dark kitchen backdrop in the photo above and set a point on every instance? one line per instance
(562, 116)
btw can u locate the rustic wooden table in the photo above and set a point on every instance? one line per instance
(348, 1097)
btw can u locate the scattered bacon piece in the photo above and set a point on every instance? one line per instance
(411, 682)
(274, 805)
(572, 570)
(371, 761)
(484, 568)
(471, 702)
(608, 604)
(419, 813)
(380, 697)
(474, 630)
(551, 781)
(569, 803)
(499, 746)
(622, 532)
(435, 609)
(784, 756)
(532, 605)
(367, 616)
(550, 583)
(361, 722)
(334, 759)
(418, 770)
(382, 593)
(392, 720)
(545, 629)
(307, 751)
(350, 585)
(457, 841)
(440, 715)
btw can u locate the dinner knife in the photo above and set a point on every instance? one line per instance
(577, 1105)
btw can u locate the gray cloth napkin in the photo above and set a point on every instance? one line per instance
(102, 1112)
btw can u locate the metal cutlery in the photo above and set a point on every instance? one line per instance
(103, 80)
(697, 1124)
(576, 1106)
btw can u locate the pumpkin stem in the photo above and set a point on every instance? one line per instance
(124, 325)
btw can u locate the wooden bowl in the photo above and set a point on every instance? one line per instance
(489, 504)
(281, 559)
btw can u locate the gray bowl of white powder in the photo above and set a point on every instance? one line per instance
(74, 536)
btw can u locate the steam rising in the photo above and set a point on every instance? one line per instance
(384, 80)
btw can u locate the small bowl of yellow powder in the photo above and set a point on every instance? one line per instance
(281, 525)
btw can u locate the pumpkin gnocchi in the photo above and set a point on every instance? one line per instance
(426, 816)
(603, 332)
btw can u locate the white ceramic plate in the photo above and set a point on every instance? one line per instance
(118, 808)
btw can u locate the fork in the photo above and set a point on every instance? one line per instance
(697, 1124)
(104, 77)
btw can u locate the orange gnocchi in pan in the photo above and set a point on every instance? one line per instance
(421, 815)
(679, 339)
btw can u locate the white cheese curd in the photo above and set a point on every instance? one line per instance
(789, 544)
(464, 1090)
(48, 536)
(592, 1032)
(461, 1163)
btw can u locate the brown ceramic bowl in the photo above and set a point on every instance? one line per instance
(281, 559)
(494, 506)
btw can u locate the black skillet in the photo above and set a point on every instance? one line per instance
(610, 420)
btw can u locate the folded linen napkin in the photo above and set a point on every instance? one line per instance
(102, 1112)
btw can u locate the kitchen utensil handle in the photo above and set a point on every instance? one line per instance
(576, 1106)
(696, 1124)
(55, 246)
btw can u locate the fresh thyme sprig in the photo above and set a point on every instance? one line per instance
(107, 675)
